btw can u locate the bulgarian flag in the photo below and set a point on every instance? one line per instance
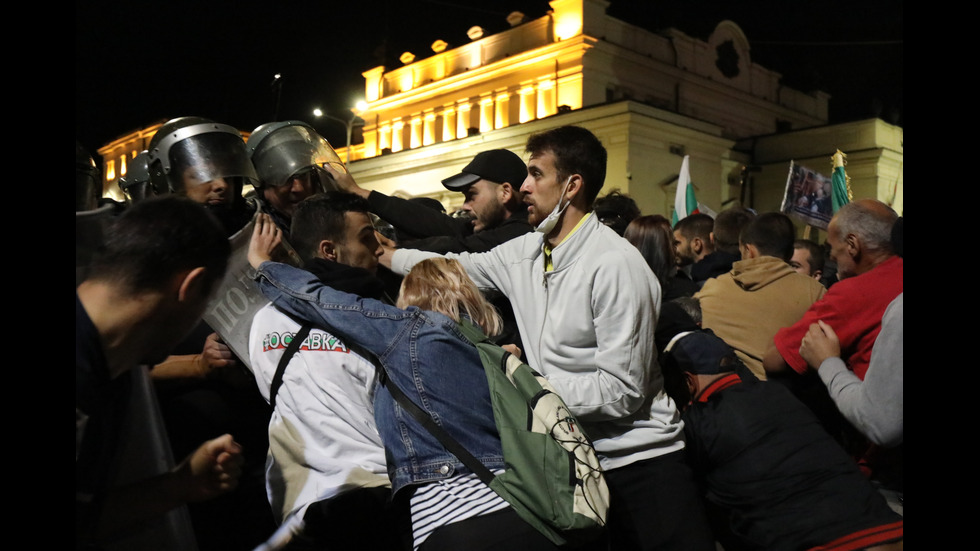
(685, 204)
(841, 190)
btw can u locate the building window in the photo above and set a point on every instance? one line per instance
(110, 170)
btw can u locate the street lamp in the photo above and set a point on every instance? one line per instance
(348, 124)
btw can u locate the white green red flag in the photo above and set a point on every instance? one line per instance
(685, 204)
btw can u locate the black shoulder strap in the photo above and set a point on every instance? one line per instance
(450, 443)
(294, 345)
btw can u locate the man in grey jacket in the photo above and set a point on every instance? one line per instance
(586, 305)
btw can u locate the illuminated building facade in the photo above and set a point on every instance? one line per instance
(650, 97)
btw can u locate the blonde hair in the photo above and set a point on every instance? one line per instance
(441, 285)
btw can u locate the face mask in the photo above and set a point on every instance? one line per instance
(551, 221)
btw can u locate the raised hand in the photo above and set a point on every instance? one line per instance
(266, 237)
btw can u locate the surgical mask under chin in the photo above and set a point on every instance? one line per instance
(551, 221)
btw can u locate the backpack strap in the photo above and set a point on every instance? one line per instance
(450, 443)
(294, 345)
(471, 331)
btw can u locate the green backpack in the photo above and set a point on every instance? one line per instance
(553, 479)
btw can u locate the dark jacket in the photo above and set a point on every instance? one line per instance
(713, 265)
(787, 485)
(440, 233)
(423, 352)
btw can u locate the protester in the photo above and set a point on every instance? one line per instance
(326, 464)
(616, 210)
(725, 231)
(493, 210)
(146, 287)
(760, 294)
(490, 184)
(203, 388)
(692, 241)
(586, 304)
(423, 353)
(774, 477)
(808, 258)
(871, 276)
(651, 234)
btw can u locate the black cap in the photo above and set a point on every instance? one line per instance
(701, 352)
(496, 165)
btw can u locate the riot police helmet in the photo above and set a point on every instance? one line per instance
(190, 151)
(136, 182)
(282, 150)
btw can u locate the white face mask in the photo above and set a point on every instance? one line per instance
(551, 221)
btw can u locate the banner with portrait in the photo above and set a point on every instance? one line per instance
(808, 196)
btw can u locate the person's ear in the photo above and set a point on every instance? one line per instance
(575, 187)
(697, 245)
(692, 384)
(749, 251)
(327, 250)
(192, 285)
(505, 193)
(853, 245)
(817, 274)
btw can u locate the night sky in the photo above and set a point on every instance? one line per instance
(138, 62)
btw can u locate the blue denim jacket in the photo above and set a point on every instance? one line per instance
(424, 354)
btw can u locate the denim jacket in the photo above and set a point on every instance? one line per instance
(423, 352)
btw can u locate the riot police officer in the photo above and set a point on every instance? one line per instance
(289, 157)
(207, 162)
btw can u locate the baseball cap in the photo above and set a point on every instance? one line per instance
(701, 352)
(496, 165)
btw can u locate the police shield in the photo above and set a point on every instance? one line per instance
(237, 299)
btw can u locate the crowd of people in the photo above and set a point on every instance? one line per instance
(738, 396)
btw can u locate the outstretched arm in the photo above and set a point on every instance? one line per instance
(346, 182)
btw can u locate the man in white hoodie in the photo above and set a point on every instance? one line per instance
(326, 463)
(586, 306)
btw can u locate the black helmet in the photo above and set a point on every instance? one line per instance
(198, 147)
(88, 184)
(280, 150)
(136, 182)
